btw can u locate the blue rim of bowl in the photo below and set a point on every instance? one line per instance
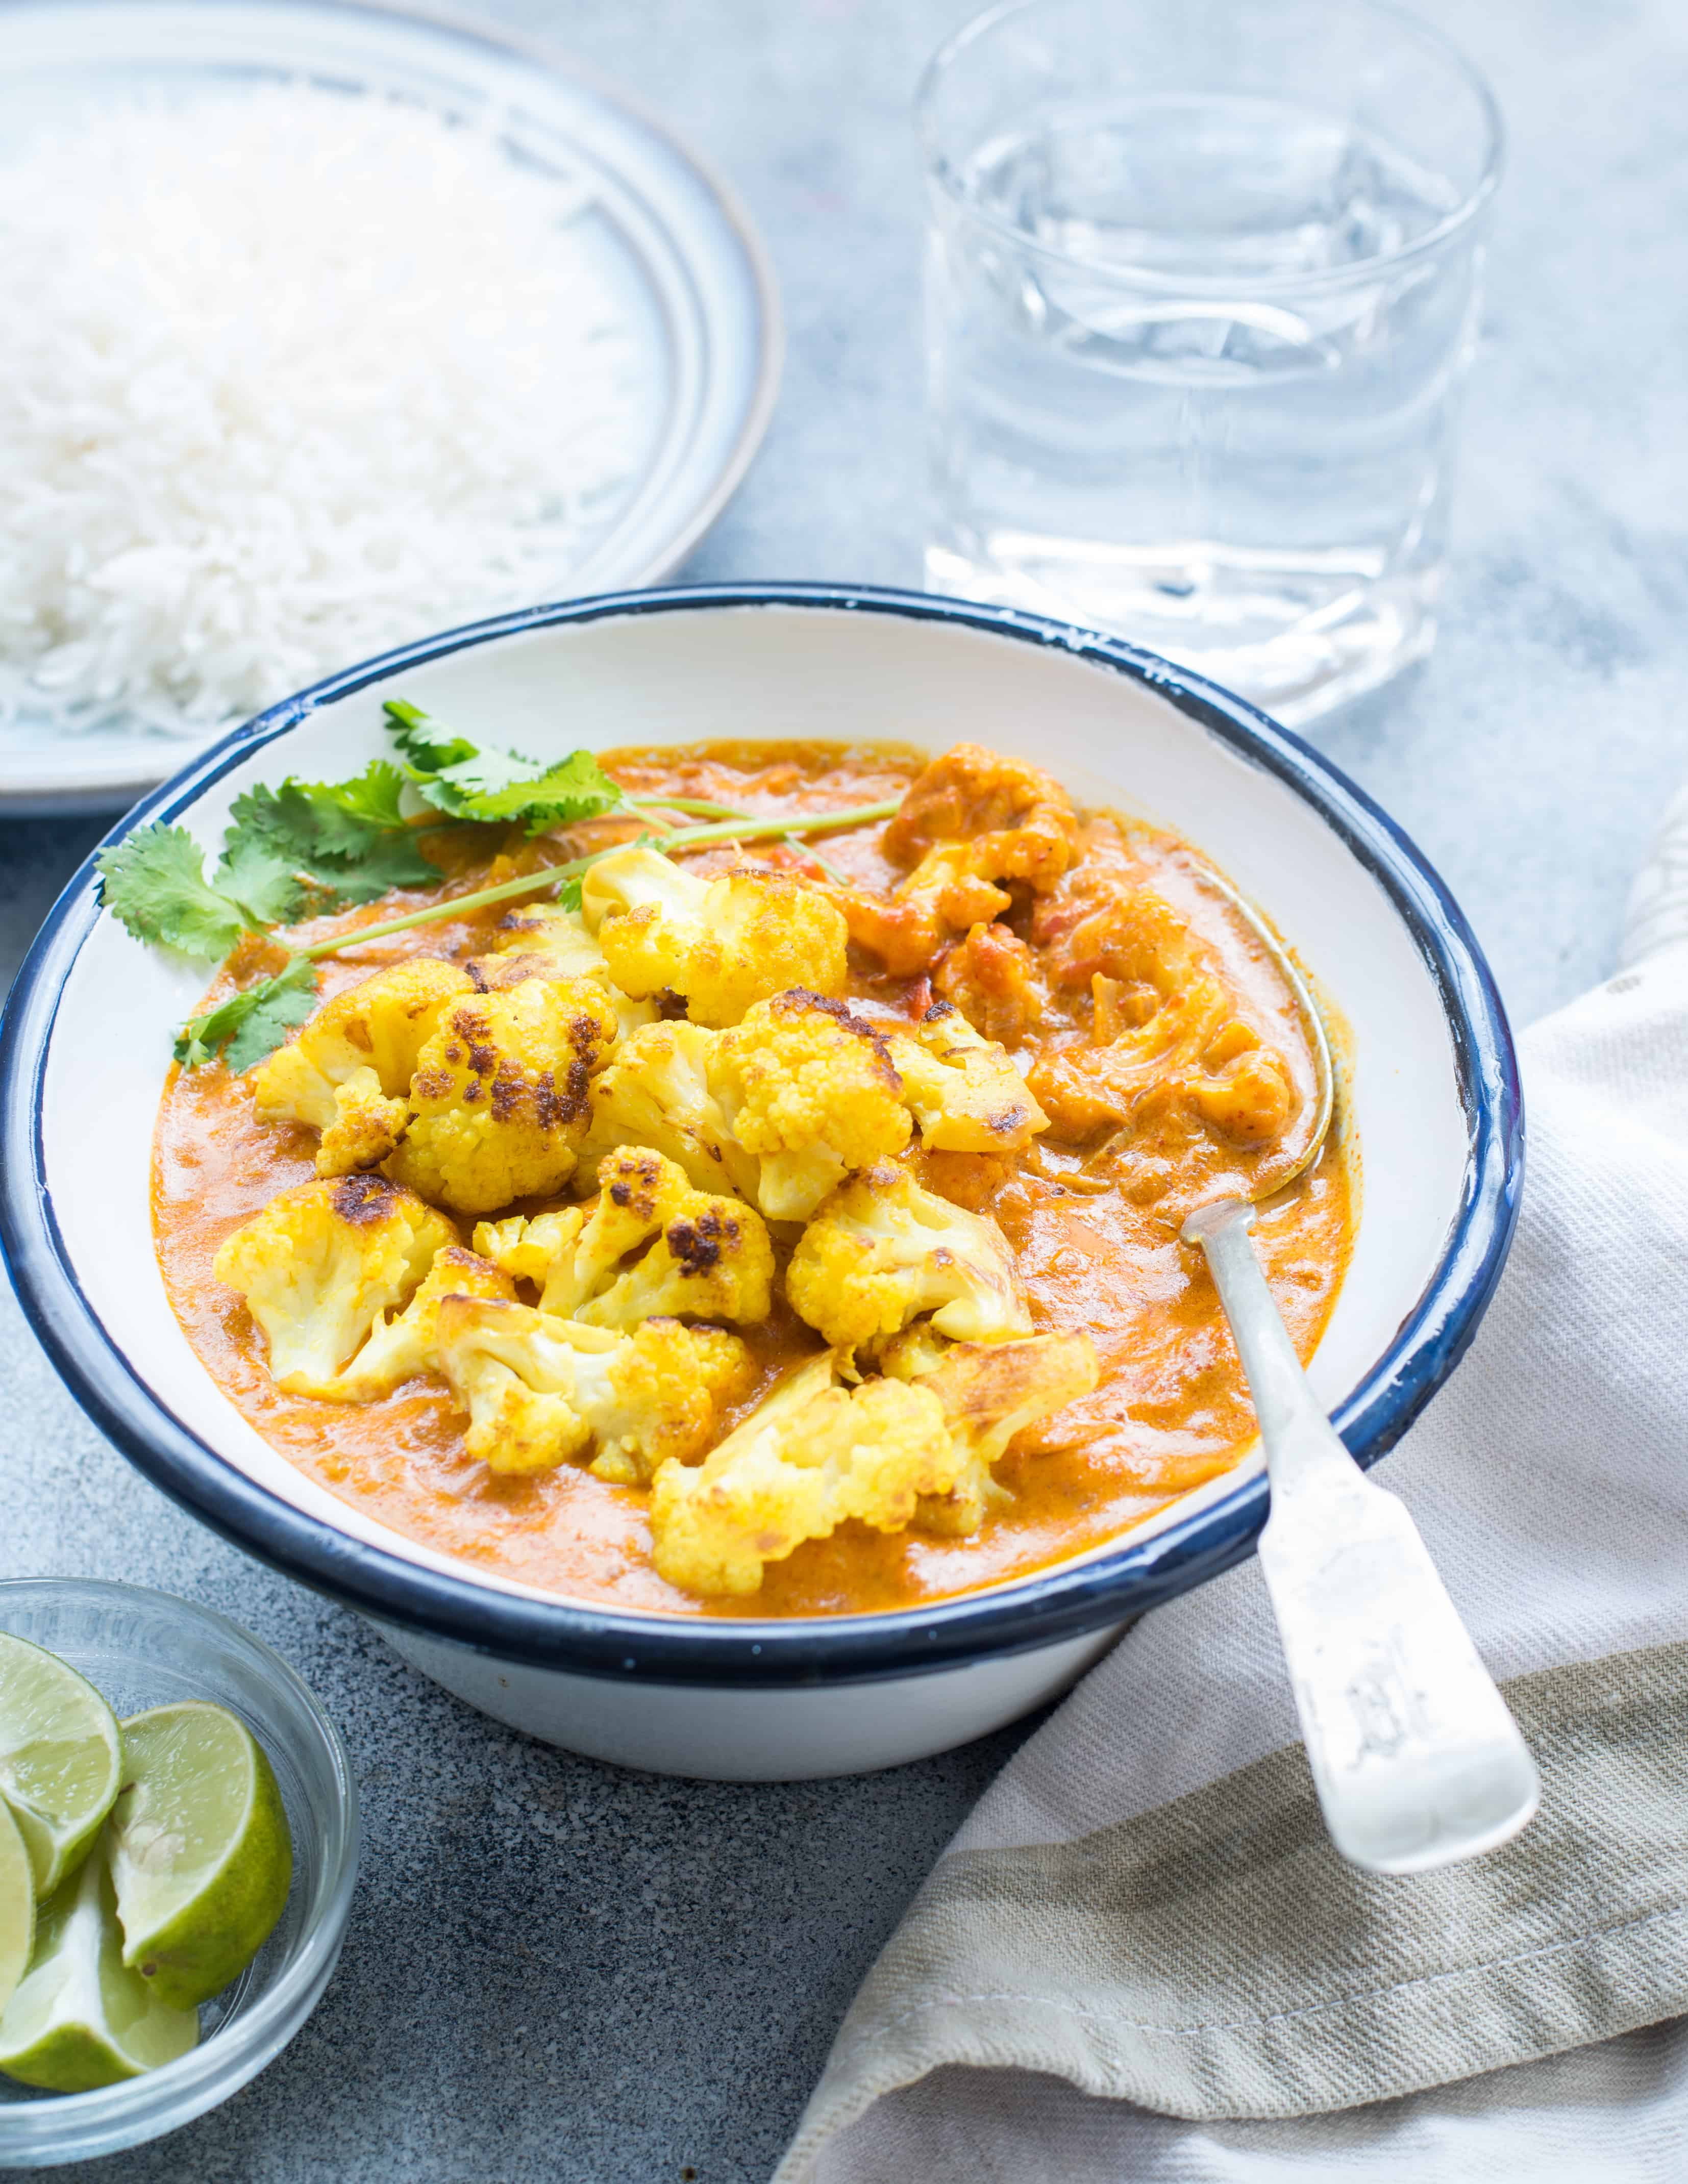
(1061, 1601)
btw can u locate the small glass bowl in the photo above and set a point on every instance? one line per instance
(142, 1649)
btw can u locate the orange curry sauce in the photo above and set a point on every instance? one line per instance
(1171, 1408)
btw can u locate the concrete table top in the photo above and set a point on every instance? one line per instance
(556, 1971)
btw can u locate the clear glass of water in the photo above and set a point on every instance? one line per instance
(1202, 282)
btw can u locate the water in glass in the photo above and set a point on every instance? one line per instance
(1191, 381)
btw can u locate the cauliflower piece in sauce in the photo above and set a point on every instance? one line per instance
(883, 1251)
(888, 1453)
(1169, 1047)
(347, 1071)
(970, 821)
(320, 1265)
(501, 1095)
(811, 1090)
(724, 942)
(810, 1457)
(710, 1257)
(989, 1391)
(407, 1344)
(657, 1091)
(967, 1094)
(540, 1390)
(541, 941)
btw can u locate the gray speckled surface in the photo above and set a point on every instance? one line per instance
(556, 1971)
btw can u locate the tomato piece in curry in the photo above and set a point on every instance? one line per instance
(1149, 1021)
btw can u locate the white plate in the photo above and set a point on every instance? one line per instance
(690, 270)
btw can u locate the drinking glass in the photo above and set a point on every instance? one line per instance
(1202, 282)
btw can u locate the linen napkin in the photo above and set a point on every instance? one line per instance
(1140, 1958)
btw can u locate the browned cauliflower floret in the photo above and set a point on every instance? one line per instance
(971, 820)
(811, 1090)
(406, 1344)
(813, 1456)
(967, 1094)
(501, 1095)
(881, 1251)
(658, 1091)
(542, 941)
(710, 1258)
(347, 1072)
(725, 942)
(322, 1263)
(988, 1392)
(539, 1390)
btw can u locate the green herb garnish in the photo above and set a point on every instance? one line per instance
(252, 1023)
(492, 785)
(154, 881)
(320, 846)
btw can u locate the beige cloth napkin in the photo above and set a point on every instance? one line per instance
(1141, 1946)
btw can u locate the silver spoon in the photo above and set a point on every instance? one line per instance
(1415, 1755)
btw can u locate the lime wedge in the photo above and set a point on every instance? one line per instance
(80, 2020)
(200, 1854)
(17, 1905)
(59, 1757)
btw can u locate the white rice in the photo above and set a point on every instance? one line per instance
(285, 378)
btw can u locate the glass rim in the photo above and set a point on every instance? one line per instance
(941, 170)
(116, 2119)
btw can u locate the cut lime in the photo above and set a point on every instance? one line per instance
(200, 1851)
(59, 1757)
(17, 1905)
(80, 2020)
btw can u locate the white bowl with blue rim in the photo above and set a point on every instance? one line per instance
(1431, 1090)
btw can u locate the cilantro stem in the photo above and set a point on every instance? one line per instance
(695, 805)
(689, 838)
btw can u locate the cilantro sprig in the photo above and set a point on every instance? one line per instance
(314, 847)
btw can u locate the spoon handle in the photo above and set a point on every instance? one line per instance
(1416, 1757)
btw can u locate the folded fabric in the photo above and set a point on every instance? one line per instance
(1142, 1943)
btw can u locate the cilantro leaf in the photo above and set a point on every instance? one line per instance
(489, 784)
(263, 883)
(154, 881)
(349, 838)
(576, 788)
(426, 743)
(252, 1023)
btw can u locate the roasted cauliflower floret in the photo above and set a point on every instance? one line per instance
(542, 941)
(1017, 821)
(658, 1091)
(710, 1257)
(539, 1390)
(967, 1095)
(347, 1072)
(811, 1090)
(501, 1095)
(881, 1251)
(971, 821)
(988, 1392)
(809, 1458)
(401, 1347)
(725, 943)
(321, 1265)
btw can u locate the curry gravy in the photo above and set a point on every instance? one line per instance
(1093, 1224)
